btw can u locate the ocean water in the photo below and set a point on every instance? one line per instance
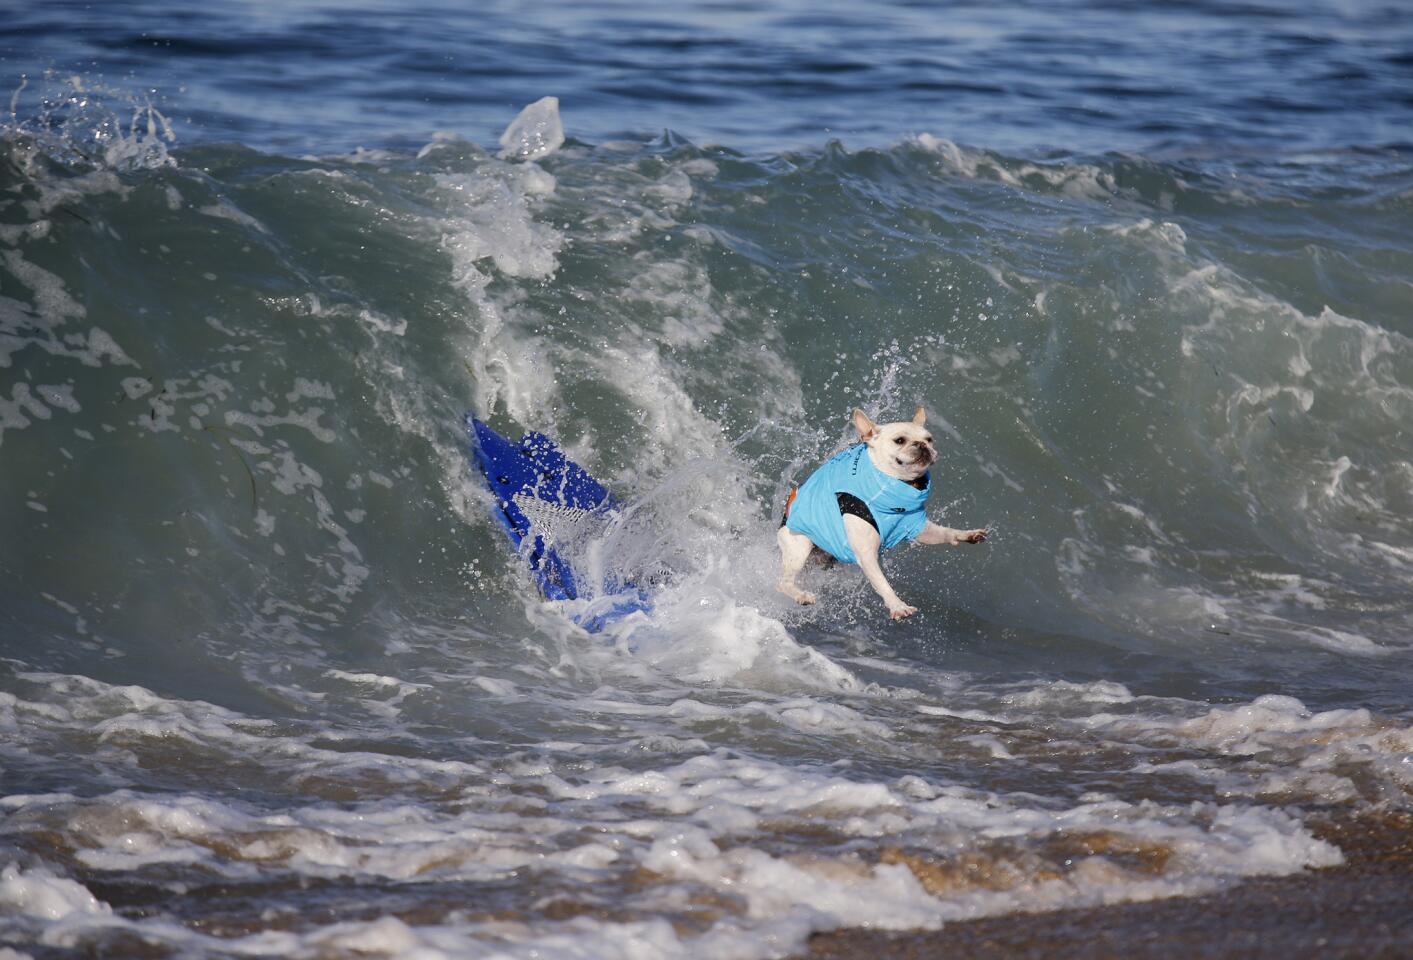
(271, 682)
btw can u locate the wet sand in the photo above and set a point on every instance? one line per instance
(1363, 910)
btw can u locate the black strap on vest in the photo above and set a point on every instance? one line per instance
(850, 505)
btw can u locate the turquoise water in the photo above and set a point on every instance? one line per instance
(272, 683)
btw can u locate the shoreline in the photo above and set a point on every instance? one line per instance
(1362, 909)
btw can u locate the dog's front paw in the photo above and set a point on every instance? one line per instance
(899, 612)
(802, 597)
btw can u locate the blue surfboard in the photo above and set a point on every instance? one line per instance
(545, 501)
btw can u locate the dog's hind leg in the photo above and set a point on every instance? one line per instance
(794, 551)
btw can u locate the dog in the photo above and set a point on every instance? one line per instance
(862, 501)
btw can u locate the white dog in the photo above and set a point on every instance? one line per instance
(864, 500)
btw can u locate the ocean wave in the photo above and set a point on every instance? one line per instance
(260, 629)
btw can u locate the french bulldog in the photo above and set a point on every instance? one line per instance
(862, 501)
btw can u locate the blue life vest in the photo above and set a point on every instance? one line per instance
(896, 505)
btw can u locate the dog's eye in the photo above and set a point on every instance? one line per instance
(899, 440)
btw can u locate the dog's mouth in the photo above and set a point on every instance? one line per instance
(921, 459)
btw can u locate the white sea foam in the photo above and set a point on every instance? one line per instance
(697, 818)
(674, 188)
(54, 194)
(490, 217)
(491, 220)
(1295, 752)
(680, 296)
(39, 893)
(52, 300)
(1080, 180)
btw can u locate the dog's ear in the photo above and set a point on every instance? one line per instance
(920, 417)
(863, 425)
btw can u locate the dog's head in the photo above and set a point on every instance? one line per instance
(903, 449)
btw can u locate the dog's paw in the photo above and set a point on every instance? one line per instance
(898, 613)
(802, 597)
